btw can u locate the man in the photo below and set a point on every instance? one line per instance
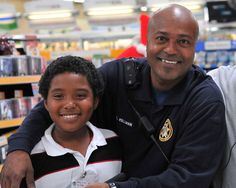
(168, 114)
(225, 78)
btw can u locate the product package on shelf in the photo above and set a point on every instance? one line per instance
(6, 66)
(23, 105)
(34, 65)
(27, 65)
(214, 59)
(20, 65)
(6, 109)
(17, 107)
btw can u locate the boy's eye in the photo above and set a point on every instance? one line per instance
(81, 95)
(58, 96)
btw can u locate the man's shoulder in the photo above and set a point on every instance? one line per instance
(204, 86)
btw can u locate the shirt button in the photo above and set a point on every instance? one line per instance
(74, 183)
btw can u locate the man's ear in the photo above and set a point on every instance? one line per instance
(96, 102)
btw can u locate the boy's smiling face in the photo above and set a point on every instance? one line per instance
(70, 102)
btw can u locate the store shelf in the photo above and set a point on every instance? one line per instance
(10, 123)
(19, 79)
(216, 45)
(89, 35)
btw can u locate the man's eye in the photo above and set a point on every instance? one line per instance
(184, 42)
(161, 39)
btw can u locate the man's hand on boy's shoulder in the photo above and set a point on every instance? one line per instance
(11, 174)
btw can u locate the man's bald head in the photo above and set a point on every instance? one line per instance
(174, 13)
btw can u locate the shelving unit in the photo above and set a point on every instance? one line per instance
(10, 123)
(214, 53)
(19, 79)
(16, 80)
(9, 126)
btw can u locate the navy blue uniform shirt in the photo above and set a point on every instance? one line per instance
(189, 127)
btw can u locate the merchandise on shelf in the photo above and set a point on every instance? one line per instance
(17, 107)
(6, 66)
(6, 109)
(20, 65)
(212, 54)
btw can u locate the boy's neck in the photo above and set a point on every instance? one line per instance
(78, 141)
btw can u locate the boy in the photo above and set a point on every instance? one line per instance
(73, 152)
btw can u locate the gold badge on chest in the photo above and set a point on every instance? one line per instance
(166, 131)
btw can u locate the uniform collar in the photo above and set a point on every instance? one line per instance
(54, 149)
(176, 96)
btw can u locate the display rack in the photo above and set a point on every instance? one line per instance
(19, 79)
(11, 123)
(212, 54)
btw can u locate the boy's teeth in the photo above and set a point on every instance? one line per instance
(167, 61)
(69, 116)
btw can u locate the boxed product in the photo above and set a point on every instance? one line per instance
(222, 58)
(21, 106)
(200, 59)
(20, 65)
(6, 109)
(211, 59)
(34, 65)
(6, 66)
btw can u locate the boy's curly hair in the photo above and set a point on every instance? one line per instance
(75, 65)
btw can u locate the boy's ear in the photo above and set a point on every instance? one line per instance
(96, 102)
(45, 104)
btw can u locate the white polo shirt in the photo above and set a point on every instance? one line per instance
(59, 167)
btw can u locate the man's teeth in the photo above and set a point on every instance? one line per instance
(170, 62)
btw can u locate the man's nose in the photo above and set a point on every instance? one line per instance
(171, 48)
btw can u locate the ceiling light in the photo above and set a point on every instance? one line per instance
(193, 5)
(49, 16)
(109, 11)
(76, 1)
(109, 8)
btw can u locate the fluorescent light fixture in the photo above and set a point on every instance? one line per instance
(109, 8)
(76, 1)
(193, 5)
(45, 9)
(49, 14)
(110, 11)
